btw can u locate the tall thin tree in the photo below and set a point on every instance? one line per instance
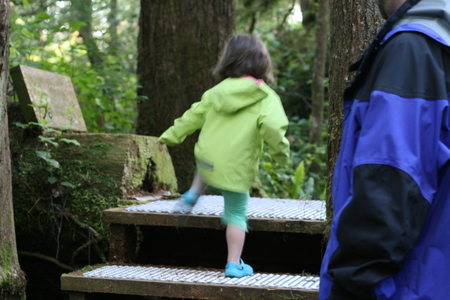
(113, 42)
(353, 24)
(308, 12)
(318, 89)
(81, 10)
(12, 279)
(179, 43)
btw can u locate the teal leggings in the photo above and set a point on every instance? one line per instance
(235, 210)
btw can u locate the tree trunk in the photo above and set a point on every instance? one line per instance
(82, 11)
(179, 44)
(113, 43)
(308, 13)
(353, 25)
(318, 90)
(132, 161)
(12, 278)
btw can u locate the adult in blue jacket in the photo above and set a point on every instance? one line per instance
(390, 234)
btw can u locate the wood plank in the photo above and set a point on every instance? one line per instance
(176, 289)
(122, 243)
(121, 216)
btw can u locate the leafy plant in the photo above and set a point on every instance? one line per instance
(42, 37)
(51, 138)
(299, 181)
(291, 48)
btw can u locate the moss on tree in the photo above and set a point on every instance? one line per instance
(64, 218)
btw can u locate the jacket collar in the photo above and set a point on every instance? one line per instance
(363, 65)
(432, 14)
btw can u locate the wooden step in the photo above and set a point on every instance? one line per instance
(273, 215)
(187, 283)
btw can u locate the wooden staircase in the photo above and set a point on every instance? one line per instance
(155, 252)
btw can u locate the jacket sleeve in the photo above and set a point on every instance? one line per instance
(273, 125)
(395, 166)
(192, 120)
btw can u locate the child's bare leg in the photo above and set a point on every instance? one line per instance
(235, 217)
(196, 189)
(235, 241)
(197, 182)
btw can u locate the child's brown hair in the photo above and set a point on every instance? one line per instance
(245, 54)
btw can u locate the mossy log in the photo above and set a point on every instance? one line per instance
(133, 161)
(102, 173)
(64, 220)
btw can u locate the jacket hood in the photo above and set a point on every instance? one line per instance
(430, 17)
(434, 14)
(234, 94)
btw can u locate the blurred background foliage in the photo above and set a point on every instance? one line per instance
(95, 43)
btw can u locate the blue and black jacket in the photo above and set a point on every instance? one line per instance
(390, 234)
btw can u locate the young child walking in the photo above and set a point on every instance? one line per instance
(235, 118)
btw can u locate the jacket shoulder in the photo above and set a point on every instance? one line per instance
(410, 65)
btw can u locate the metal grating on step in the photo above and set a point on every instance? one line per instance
(205, 277)
(257, 208)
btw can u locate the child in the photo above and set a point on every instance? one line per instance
(235, 117)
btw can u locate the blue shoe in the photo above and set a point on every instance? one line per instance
(234, 270)
(187, 201)
(190, 197)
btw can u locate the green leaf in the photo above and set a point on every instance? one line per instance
(43, 16)
(21, 125)
(51, 130)
(70, 141)
(76, 25)
(43, 154)
(40, 124)
(47, 157)
(310, 187)
(323, 196)
(44, 122)
(66, 127)
(53, 163)
(48, 140)
(299, 174)
(52, 180)
(26, 33)
(67, 184)
(103, 87)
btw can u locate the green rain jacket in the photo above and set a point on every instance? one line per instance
(235, 117)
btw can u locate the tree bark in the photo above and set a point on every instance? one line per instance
(353, 26)
(317, 86)
(113, 43)
(308, 13)
(318, 89)
(132, 161)
(12, 278)
(179, 44)
(82, 11)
